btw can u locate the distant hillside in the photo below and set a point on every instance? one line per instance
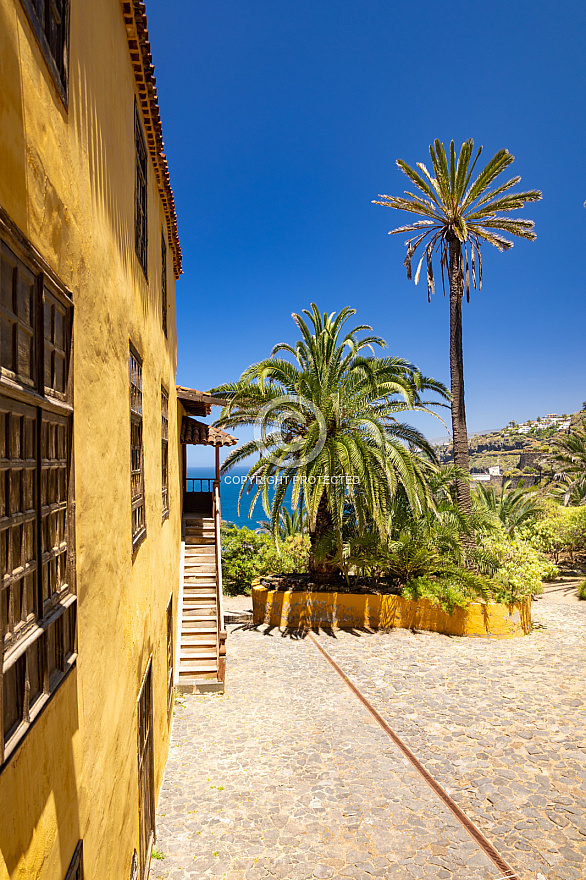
(517, 448)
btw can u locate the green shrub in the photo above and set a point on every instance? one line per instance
(510, 570)
(582, 590)
(517, 569)
(247, 555)
(448, 593)
(562, 529)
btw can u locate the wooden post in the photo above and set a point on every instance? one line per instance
(217, 464)
(183, 474)
(222, 658)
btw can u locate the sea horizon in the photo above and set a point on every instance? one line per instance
(230, 486)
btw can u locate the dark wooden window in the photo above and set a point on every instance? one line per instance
(17, 319)
(37, 569)
(164, 281)
(146, 779)
(55, 345)
(134, 866)
(170, 656)
(50, 22)
(140, 193)
(165, 450)
(136, 451)
(75, 870)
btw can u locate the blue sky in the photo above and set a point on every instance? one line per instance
(282, 121)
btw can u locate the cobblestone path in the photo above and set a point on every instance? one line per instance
(288, 776)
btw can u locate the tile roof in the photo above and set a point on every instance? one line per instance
(197, 403)
(198, 433)
(134, 14)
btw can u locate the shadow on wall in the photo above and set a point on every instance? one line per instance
(38, 791)
(12, 137)
(105, 138)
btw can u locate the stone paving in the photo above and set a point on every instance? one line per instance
(288, 776)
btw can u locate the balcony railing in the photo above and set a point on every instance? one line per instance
(200, 485)
(198, 496)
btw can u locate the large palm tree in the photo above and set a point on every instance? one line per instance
(460, 216)
(327, 424)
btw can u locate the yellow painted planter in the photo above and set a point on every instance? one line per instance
(366, 611)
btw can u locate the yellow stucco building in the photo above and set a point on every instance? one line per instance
(90, 518)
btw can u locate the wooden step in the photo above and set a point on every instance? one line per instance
(202, 586)
(206, 591)
(200, 635)
(199, 651)
(207, 640)
(201, 608)
(191, 666)
(204, 605)
(199, 595)
(199, 589)
(195, 614)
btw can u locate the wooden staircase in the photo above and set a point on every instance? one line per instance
(200, 634)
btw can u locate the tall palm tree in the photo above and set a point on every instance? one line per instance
(327, 424)
(459, 217)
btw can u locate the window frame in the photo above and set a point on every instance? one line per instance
(138, 498)
(75, 870)
(134, 869)
(38, 646)
(141, 176)
(60, 78)
(165, 451)
(146, 766)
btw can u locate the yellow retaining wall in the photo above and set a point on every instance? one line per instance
(369, 611)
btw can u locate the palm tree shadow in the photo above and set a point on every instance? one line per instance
(300, 633)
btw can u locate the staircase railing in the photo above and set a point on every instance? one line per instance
(221, 640)
(177, 654)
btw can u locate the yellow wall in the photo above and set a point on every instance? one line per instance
(67, 180)
(371, 611)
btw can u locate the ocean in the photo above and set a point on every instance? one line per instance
(230, 486)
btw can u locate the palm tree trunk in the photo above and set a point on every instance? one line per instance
(321, 572)
(459, 431)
